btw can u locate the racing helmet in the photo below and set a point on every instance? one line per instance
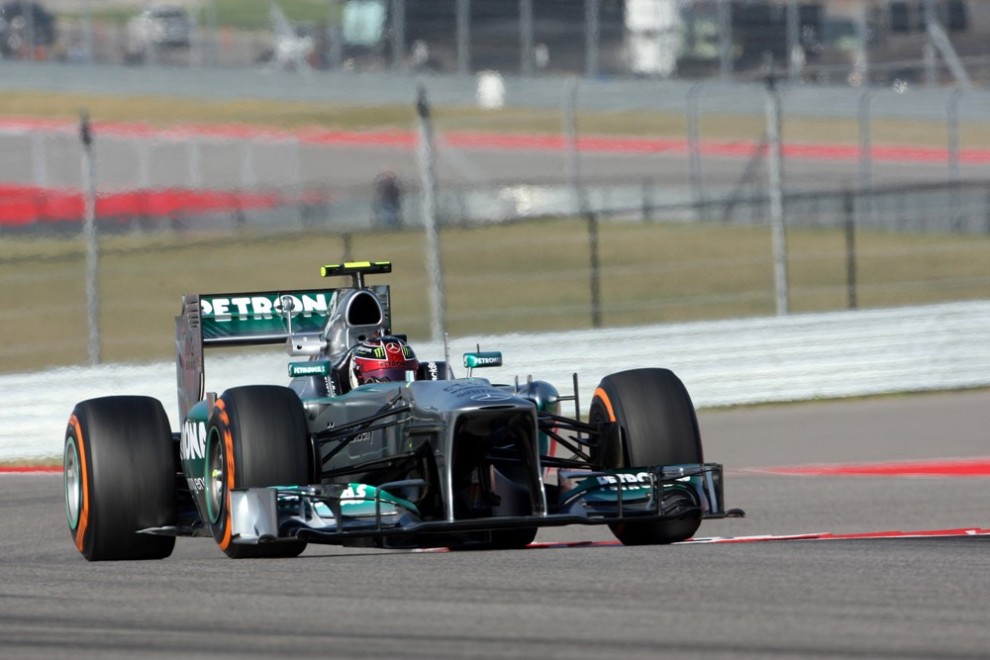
(381, 359)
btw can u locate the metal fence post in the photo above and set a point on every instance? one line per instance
(694, 151)
(398, 34)
(526, 37)
(724, 9)
(463, 21)
(866, 150)
(862, 65)
(647, 200)
(572, 164)
(776, 196)
(795, 59)
(595, 274)
(428, 182)
(347, 245)
(592, 34)
(850, 229)
(952, 119)
(92, 245)
(298, 186)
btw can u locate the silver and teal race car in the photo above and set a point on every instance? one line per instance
(421, 460)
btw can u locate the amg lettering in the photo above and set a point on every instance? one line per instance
(192, 443)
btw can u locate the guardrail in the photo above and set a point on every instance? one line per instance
(743, 361)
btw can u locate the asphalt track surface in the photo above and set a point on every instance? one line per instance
(577, 594)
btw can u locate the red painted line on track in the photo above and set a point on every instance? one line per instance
(496, 141)
(966, 467)
(828, 536)
(815, 536)
(763, 538)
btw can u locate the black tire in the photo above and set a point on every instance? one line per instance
(119, 478)
(658, 427)
(260, 430)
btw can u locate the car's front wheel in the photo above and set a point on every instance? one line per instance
(256, 438)
(658, 426)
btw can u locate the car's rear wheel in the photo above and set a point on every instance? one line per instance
(256, 438)
(658, 426)
(119, 478)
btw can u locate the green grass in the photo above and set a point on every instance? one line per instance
(528, 277)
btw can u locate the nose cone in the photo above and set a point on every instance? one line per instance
(465, 394)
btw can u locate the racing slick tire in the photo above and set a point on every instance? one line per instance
(260, 431)
(658, 427)
(119, 477)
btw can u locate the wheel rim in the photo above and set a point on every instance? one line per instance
(72, 481)
(214, 476)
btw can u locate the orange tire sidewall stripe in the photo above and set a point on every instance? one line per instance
(228, 442)
(600, 394)
(83, 523)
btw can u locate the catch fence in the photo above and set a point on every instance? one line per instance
(541, 229)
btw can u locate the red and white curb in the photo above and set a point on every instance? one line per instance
(948, 467)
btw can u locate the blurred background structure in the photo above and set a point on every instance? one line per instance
(853, 41)
(599, 162)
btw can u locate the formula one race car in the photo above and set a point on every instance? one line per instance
(369, 446)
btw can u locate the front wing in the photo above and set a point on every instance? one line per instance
(338, 514)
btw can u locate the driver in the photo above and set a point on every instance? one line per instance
(382, 359)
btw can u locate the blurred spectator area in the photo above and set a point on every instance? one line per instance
(829, 41)
(27, 30)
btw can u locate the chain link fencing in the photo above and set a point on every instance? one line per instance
(583, 207)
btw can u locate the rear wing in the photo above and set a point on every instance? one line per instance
(245, 319)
